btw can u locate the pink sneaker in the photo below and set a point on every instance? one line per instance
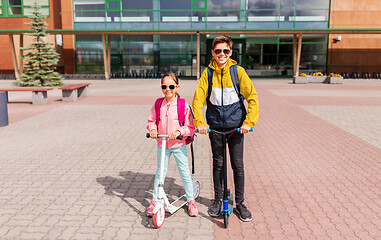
(150, 208)
(192, 209)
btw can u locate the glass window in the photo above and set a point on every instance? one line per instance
(136, 16)
(113, 5)
(263, 4)
(199, 4)
(287, 38)
(200, 15)
(134, 38)
(175, 4)
(287, 4)
(88, 38)
(21, 8)
(263, 16)
(176, 16)
(286, 48)
(314, 48)
(287, 14)
(227, 15)
(312, 4)
(133, 4)
(138, 48)
(223, 4)
(31, 2)
(92, 15)
(90, 7)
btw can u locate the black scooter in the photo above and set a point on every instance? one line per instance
(227, 205)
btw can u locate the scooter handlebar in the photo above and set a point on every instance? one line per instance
(238, 130)
(180, 137)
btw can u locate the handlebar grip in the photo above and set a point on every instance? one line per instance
(239, 129)
(208, 130)
(180, 137)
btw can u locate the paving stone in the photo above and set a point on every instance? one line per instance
(312, 166)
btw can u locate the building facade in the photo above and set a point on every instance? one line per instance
(263, 55)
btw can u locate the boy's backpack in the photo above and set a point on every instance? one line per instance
(234, 76)
(181, 115)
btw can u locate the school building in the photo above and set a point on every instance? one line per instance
(129, 38)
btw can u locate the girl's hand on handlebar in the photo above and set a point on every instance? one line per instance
(244, 129)
(202, 129)
(153, 133)
(174, 135)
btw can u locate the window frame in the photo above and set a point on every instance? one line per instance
(5, 5)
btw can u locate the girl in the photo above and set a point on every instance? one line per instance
(168, 124)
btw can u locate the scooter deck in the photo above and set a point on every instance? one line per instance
(177, 204)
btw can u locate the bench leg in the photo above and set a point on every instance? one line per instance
(40, 97)
(82, 92)
(69, 95)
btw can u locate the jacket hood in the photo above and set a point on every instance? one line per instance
(213, 65)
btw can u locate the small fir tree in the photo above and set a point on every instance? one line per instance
(41, 58)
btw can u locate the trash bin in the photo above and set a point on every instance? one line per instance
(3, 109)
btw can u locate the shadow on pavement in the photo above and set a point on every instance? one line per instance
(139, 186)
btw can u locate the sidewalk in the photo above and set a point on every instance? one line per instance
(84, 170)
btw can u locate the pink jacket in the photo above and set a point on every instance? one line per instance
(169, 122)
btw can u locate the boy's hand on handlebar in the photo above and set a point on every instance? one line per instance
(202, 129)
(244, 129)
(153, 133)
(174, 135)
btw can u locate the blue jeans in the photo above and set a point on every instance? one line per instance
(180, 155)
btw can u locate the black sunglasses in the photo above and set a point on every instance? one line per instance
(170, 87)
(218, 51)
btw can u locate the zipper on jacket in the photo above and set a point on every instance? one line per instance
(222, 88)
(166, 127)
(222, 97)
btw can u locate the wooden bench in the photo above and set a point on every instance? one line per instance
(72, 92)
(39, 95)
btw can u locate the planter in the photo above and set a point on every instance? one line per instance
(300, 80)
(335, 80)
(317, 79)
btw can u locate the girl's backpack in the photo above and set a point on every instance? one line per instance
(181, 115)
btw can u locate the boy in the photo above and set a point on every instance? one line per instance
(225, 111)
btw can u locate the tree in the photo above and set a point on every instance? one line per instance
(40, 58)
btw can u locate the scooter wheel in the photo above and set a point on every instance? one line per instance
(226, 220)
(196, 188)
(158, 218)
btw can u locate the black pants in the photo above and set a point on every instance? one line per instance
(235, 144)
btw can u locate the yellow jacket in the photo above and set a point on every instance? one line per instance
(223, 92)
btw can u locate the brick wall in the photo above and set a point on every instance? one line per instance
(355, 53)
(54, 21)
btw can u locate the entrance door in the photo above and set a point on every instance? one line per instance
(239, 51)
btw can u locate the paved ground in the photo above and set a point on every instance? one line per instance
(84, 170)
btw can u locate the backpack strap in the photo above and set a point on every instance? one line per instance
(158, 103)
(234, 76)
(210, 82)
(181, 110)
